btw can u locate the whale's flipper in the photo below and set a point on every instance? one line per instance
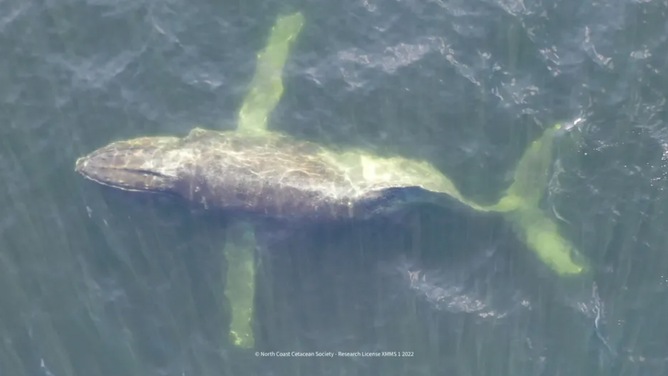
(240, 247)
(267, 85)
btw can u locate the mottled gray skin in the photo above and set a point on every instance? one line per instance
(267, 175)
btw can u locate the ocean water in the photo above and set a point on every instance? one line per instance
(103, 283)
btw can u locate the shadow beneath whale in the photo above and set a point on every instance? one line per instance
(348, 286)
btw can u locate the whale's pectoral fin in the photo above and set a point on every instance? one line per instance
(266, 87)
(265, 92)
(239, 251)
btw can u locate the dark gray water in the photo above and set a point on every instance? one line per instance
(101, 283)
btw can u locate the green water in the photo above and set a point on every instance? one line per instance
(100, 283)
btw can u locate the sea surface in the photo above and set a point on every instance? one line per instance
(100, 283)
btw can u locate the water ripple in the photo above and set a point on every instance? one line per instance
(9, 16)
(96, 72)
